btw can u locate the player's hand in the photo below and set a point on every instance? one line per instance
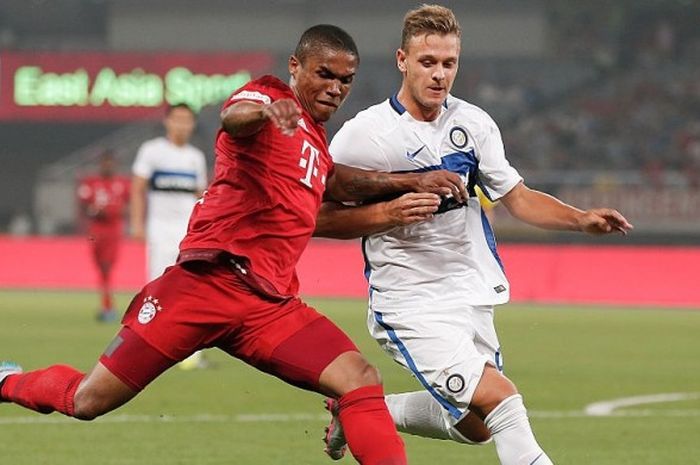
(442, 182)
(604, 221)
(284, 114)
(411, 208)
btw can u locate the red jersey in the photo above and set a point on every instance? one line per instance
(266, 193)
(104, 200)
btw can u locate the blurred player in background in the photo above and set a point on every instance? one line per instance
(235, 286)
(434, 279)
(102, 200)
(169, 175)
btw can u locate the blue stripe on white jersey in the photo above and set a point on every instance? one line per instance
(465, 164)
(174, 181)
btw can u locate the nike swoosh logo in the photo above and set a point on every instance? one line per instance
(411, 156)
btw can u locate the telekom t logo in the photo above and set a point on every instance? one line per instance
(309, 162)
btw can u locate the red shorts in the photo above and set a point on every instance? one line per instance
(105, 246)
(197, 305)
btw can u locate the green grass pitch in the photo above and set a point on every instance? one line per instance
(562, 359)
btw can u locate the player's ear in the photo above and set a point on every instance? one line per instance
(401, 60)
(294, 64)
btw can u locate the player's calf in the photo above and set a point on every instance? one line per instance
(365, 419)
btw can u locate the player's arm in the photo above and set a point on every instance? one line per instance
(339, 221)
(548, 212)
(350, 184)
(137, 206)
(245, 118)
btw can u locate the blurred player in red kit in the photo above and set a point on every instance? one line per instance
(235, 286)
(103, 198)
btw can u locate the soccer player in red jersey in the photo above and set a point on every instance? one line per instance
(234, 286)
(102, 199)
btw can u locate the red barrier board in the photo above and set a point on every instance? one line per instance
(630, 276)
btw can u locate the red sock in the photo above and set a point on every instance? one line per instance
(44, 391)
(369, 429)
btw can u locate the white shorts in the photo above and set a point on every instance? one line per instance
(162, 253)
(444, 348)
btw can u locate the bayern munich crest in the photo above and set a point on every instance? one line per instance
(458, 137)
(455, 383)
(149, 309)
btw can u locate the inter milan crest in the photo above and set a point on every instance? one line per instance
(455, 383)
(149, 309)
(458, 137)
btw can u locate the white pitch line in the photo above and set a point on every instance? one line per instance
(607, 407)
(298, 417)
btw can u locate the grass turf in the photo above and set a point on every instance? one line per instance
(561, 358)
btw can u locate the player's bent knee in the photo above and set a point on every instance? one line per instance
(369, 376)
(348, 372)
(493, 388)
(87, 407)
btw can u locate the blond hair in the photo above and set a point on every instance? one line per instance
(429, 19)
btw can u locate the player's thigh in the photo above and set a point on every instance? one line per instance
(439, 346)
(293, 342)
(190, 307)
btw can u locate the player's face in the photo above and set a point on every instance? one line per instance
(106, 166)
(179, 125)
(429, 66)
(323, 81)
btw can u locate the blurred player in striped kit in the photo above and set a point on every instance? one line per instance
(169, 175)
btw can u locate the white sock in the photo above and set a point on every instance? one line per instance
(512, 434)
(420, 414)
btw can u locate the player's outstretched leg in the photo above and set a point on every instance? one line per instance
(125, 368)
(61, 388)
(366, 422)
(497, 402)
(418, 413)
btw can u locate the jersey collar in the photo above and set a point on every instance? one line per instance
(399, 108)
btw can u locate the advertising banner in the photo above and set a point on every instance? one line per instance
(99, 86)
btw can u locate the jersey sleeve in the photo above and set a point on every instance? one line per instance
(353, 145)
(143, 166)
(497, 176)
(255, 91)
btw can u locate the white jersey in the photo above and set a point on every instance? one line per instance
(175, 174)
(451, 258)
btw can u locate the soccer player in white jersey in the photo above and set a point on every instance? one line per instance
(169, 175)
(434, 272)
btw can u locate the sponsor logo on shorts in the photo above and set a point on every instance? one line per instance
(455, 383)
(500, 288)
(149, 309)
(458, 137)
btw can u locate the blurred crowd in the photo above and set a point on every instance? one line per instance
(630, 109)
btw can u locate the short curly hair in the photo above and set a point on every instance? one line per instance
(322, 36)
